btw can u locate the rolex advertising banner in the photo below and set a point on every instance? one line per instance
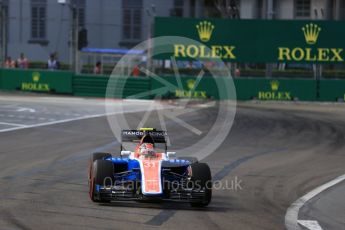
(36, 80)
(253, 40)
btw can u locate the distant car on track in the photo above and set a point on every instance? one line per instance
(147, 174)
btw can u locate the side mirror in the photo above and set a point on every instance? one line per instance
(171, 154)
(125, 153)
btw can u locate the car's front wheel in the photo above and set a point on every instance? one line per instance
(201, 178)
(93, 158)
(102, 174)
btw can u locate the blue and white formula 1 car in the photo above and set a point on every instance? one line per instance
(146, 173)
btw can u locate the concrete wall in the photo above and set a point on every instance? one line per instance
(285, 9)
(19, 37)
(320, 6)
(103, 22)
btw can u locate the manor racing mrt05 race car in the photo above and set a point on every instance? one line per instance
(148, 174)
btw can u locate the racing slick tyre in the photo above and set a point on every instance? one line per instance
(93, 157)
(201, 177)
(97, 156)
(102, 173)
(191, 159)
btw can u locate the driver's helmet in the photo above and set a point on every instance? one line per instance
(147, 149)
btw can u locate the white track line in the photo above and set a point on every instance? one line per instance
(71, 119)
(59, 121)
(291, 217)
(12, 124)
(71, 100)
(51, 123)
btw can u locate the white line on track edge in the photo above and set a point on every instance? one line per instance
(291, 217)
(68, 120)
(12, 124)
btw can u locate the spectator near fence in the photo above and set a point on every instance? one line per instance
(9, 63)
(136, 71)
(53, 64)
(22, 62)
(98, 68)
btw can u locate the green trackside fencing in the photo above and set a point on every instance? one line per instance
(332, 90)
(149, 88)
(208, 87)
(96, 86)
(90, 86)
(246, 88)
(36, 81)
(276, 89)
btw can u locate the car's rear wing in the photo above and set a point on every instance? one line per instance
(137, 135)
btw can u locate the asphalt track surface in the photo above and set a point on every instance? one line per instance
(276, 152)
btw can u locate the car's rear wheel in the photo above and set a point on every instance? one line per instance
(102, 174)
(201, 177)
